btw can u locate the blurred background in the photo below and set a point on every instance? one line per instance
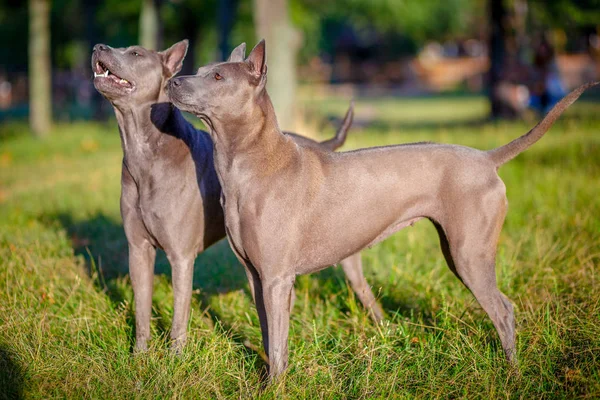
(522, 55)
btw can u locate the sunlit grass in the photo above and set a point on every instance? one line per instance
(66, 315)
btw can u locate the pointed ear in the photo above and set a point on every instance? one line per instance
(238, 54)
(173, 57)
(257, 59)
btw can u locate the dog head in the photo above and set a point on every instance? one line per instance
(225, 91)
(135, 75)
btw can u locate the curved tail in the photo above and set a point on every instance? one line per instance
(509, 151)
(340, 136)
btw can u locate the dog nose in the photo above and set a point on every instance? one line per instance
(100, 47)
(176, 82)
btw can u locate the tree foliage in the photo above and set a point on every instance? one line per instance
(408, 24)
(566, 13)
(422, 20)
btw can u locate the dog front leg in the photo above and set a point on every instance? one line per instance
(277, 295)
(252, 291)
(141, 271)
(257, 295)
(183, 275)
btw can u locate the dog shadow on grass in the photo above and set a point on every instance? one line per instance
(11, 375)
(396, 303)
(101, 241)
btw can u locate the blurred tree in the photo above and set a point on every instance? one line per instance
(151, 25)
(91, 38)
(118, 22)
(40, 68)
(273, 23)
(227, 12)
(243, 29)
(421, 21)
(497, 51)
(194, 20)
(566, 13)
(13, 25)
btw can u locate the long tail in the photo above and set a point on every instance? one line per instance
(509, 151)
(340, 136)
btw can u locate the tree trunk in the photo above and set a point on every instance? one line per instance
(40, 68)
(150, 25)
(99, 107)
(227, 11)
(497, 50)
(282, 42)
(191, 32)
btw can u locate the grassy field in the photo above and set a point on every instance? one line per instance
(66, 315)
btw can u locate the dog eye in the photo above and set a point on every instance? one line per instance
(218, 76)
(135, 53)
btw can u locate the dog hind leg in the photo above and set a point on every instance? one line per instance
(352, 267)
(470, 250)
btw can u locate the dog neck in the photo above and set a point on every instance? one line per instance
(252, 141)
(151, 131)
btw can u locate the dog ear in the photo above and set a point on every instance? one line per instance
(173, 57)
(238, 54)
(257, 59)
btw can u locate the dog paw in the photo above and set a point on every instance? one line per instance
(177, 347)
(140, 348)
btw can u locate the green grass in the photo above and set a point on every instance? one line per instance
(66, 315)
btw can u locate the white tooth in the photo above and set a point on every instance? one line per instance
(122, 81)
(96, 75)
(105, 74)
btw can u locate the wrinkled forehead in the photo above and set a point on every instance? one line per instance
(223, 68)
(138, 49)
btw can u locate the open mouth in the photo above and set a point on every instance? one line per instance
(101, 71)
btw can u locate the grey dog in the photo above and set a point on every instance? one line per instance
(293, 210)
(169, 188)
